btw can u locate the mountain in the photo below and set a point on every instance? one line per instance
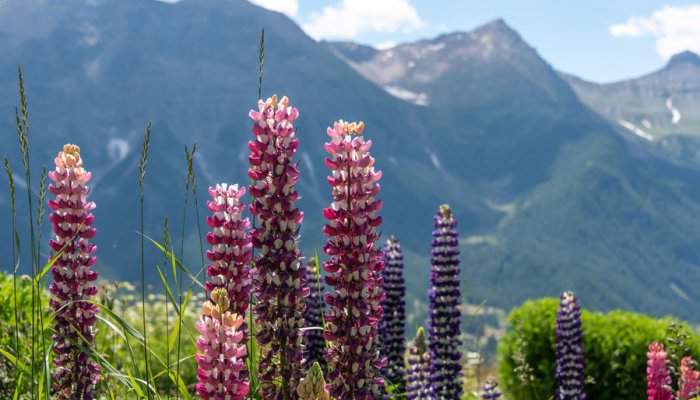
(548, 195)
(577, 205)
(97, 71)
(661, 107)
(493, 65)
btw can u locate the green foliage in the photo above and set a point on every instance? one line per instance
(615, 347)
(117, 344)
(21, 348)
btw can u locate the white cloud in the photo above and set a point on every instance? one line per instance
(289, 7)
(675, 28)
(353, 17)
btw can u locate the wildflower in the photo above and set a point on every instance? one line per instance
(689, 384)
(230, 254)
(444, 322)
(658, 375)
(490, 390)
(418, 373)
(354, 316)
(74, 280)
(279, 280)
(221, 351)
(313, 318)
(314, 386)
(394, 307)
(569, 349)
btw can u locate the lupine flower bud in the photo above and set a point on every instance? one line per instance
(313, 387)
(74, 280)
(445, 314)
(221, 351)
(569, 349)
(313, 318)
(490, 390)
(279, 279)
(689, 385)
(354, 316)
(418, 373)
(394, 307)
(658, 375)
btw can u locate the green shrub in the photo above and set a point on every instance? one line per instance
(615, 347)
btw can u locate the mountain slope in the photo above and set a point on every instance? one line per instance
(493, 65)
(502, 138)
(653, 106)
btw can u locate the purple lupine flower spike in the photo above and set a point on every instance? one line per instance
(74, 279)
(313, 317)
(394, 307)
(490, 390)
(279, 279)
(222, 351)
(354, 316)
(418, 373)
(445, 314)
(569, 349)
(230, 254)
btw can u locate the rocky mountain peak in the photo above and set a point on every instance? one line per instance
(685, 57)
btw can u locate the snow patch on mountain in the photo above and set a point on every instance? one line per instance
(675, 113)
(435, 47)
(635, 129)
(434, 159)
(117, 149)
(420, 99)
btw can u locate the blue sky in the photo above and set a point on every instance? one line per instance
(598, 40)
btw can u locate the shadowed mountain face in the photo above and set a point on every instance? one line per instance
(547, 195)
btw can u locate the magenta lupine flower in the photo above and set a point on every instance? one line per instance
(221, 351)
(279, 279)
(418, 373)
(658, 375)
(689, 384)
(231, 246)
(354, 316)
(394, 308)
(313, 317)
(445, 315)
(76, 375)
(230, 255)
(570, 362)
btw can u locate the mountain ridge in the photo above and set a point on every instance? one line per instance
(535, 178)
